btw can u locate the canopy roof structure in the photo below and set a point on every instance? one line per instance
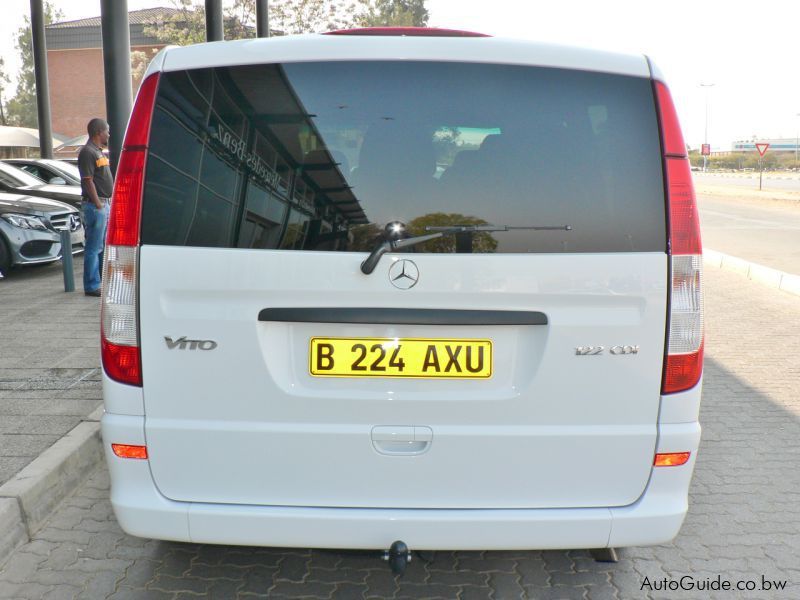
(23, 137)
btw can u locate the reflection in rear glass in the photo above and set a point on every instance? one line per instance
(320, 156)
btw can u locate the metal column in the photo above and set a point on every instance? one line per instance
(117, 71)
(262, 18)
(214, 25)
(42, 84)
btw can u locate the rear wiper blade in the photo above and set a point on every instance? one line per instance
(476, 228)
(368, 266)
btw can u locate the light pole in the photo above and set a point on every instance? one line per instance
(705, 138)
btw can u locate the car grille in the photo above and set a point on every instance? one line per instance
(66, 221)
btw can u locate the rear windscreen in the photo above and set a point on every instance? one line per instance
(322, 156)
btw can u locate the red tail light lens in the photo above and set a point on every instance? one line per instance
(670, 126)
(682, 371)
(126, 208)
(684, 222)
(683, 363)
(122, 363)
(123, 224)
(138, 132)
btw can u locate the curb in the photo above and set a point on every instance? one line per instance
(29, 498)
(764, 275)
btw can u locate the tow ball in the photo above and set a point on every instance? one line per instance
(398, 556)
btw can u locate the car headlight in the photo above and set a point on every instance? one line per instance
(25, 221)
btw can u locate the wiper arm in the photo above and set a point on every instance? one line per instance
(452, 229)
(368, 266)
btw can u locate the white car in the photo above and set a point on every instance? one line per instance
(440, 289)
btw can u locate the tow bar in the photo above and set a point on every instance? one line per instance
(398, 556)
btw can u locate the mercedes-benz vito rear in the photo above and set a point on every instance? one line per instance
(444, 289)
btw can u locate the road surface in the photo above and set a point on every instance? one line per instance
(784, 182)
(760, 231)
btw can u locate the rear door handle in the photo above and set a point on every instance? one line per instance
(401, 440)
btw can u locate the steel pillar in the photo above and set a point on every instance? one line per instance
(262, 18)
(66, 260)
(214, 24)
(42, 83)
(117, 71)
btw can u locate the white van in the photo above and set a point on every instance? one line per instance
(413, 285)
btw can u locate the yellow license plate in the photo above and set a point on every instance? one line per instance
(400, 357)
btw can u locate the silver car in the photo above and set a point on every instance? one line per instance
(54, 172)
(30, 230)
(16, 181)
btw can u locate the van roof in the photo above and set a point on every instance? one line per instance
(318, 47)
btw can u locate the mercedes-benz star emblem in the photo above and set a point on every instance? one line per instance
(403, 274)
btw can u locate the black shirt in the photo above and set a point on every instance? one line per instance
(93, 163)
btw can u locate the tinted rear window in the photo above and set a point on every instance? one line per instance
(321, 156)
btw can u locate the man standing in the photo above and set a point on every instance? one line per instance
(97, 185)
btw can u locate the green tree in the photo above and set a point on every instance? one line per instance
(481, 242)
(140, 59)
(4, 81)
(364, 237)
(310, 16)
(22, 110)
(188, 25)
(285, 17)
(396, 13)
(447, 143)
(184, 28)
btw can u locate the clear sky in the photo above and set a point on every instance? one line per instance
(749, 49)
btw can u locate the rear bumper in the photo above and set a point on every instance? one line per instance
(654, 518)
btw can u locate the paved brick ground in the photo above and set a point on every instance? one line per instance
(49, 358)
(743, 523)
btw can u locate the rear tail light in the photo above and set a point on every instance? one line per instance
(672, 459)
(120, 341)
(119, 313)
(683, 362)
(123, 222)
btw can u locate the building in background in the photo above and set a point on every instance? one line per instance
(21, 142)
(775, 145)
(75, 66)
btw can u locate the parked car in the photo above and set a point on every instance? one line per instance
(309, 339)
(29, 230)
(16, 181)
(56, 172)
